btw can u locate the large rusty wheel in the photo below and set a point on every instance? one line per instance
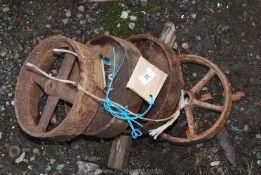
(224, 109)
(31, 85)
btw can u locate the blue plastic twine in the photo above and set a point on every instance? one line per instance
(117, 111)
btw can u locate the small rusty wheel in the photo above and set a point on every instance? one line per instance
(31, 85)
(193, 102)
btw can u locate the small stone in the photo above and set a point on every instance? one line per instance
(92, 158)
(195, 75)
(36, 151)
(199, 145)
(12, 103)
(219, 5)
(258, 136)
(20, 158)
(257, 57)
(3, 54)
(2, 108)
(258, 162)
(198, 38)
(6, 9)
(134, 172)
(133, 18)
(54, 119)
(48, 168)
(88, 168)
(48, 26)
(124, 14)
(68, 14)
(65, 21)
(81, 8)
(79, 16)
(175, 46)
(32, 158)
(246, 128)
(193, 15)
(106, 33)
(96, 30)
(54, 72)
(1, 135)
(184, 46)
(30, 167)
(60, 167)
(82, 22)
(14, 151)
(132, 25)
(258, 155)
(10, 94)
(52, 161)
(215, 163)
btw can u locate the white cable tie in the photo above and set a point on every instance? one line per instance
(66, 51)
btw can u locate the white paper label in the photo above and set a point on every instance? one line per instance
(147, 76)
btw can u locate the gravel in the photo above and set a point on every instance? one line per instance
(85, 168)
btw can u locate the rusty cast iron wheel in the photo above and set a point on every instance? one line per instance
(30, 83)
(157, 53)
(104, 125)
(224, 109)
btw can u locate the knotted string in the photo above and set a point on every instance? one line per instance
(123, 113)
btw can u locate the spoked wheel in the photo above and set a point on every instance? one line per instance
(31, 85)
(223, 110)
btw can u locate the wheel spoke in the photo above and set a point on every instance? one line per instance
(51, 103)
(39, 79)
(181, 75)
(198, 87)
(190, 120)
(48, 111)
(206, 105)
(66, 66)
(60, 90)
